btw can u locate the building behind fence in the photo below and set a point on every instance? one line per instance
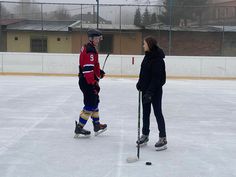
(206, 30)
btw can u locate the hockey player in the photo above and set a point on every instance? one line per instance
(151, 79)
(89, 76)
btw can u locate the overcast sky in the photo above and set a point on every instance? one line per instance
(100, 1)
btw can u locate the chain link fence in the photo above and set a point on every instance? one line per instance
(61, 28)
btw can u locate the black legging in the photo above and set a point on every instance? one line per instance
(157, 104)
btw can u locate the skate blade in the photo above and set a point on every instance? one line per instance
(81, 136)
(142, 145)
(99, 132)
(161, 148)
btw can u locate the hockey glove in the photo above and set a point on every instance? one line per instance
(102, 73)
(138, 86)
(147, 98)
(96, 88)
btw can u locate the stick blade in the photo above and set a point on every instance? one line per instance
(131, 159)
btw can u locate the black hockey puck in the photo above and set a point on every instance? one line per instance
(148, 163)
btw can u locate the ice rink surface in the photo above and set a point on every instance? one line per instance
(37, 117)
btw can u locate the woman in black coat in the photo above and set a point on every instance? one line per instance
(151, 79)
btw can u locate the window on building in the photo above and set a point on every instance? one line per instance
(218, 13)
(216, 10)
(106, 45)
(39, 44)
(226, 12)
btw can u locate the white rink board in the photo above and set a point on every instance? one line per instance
(22, 62)
(1, 63)
(118, 65)
(60, 63)
(183, 66)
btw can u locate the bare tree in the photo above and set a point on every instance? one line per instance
(28, 10)
(4, 12)
(60, 14)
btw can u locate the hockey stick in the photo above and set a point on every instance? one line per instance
(135, 159)
(139, 110)
(105, 61)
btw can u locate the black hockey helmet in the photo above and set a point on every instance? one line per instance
(94, 33)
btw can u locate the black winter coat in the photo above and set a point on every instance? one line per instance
(152, 75)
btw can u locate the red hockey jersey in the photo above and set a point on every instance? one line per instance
(88, 64)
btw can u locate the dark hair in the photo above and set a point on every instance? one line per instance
(151, 42)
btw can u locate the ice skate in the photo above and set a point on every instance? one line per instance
(80, 131)
(161, 144)
(142, 141)
(99, 128)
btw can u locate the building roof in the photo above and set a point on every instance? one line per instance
(77, 26)
(91, 18)
(38, 25)
(226, 28)
(219, 1)
(65, 26)
(223, 3)
(9, 21)
(158, 26)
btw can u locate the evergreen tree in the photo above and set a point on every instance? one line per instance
(181, 9)
(153, 18)
(137, 17)
(146, 17)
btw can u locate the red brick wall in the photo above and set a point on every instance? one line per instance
(190, 43)
(196, 43)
